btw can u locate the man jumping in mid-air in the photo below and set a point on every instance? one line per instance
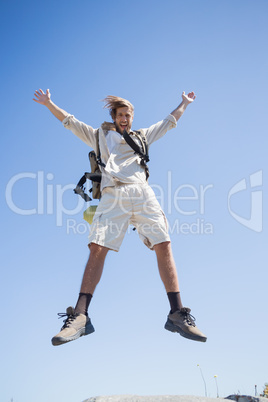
(126, 198)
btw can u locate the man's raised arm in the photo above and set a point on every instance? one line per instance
(186, 100)
(44, 99)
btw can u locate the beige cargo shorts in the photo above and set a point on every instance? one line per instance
(127, 204)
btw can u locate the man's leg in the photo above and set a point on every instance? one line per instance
(77, 322)
(179, 319)
(167, 267)
(94, 268)
(168, 274)
(91, 277)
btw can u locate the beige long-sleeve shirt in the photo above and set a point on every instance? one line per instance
(121, 163)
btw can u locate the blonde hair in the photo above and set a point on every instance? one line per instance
(114, 102)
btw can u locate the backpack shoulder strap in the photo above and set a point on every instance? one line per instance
(98, 153)
(144, 143)
(141, 151)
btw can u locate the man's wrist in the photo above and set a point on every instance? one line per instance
(185, 102)
(49, 103)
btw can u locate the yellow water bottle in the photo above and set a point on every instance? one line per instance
(89, 213)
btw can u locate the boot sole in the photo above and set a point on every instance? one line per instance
(169, 326)
(88, 329)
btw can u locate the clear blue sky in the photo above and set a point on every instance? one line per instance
(148, 52)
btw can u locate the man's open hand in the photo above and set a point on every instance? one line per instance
(41, 97)
(188, 98)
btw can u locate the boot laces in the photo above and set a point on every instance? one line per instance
(68, 321)
(189, 318)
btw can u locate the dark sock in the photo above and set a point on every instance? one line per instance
(83, 303)
(175, 301)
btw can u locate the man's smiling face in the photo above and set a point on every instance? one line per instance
(123, 119)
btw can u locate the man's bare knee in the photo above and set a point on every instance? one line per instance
(98, 250)
(162, 247)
